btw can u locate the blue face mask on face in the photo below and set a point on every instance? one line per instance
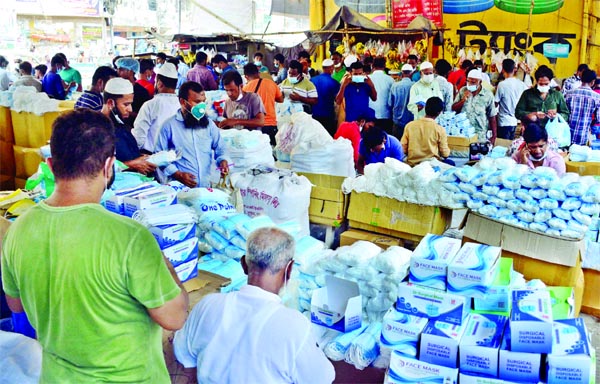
(198, 110)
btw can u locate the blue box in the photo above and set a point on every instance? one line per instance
(431, 303)
(480, 344)
(170, 234)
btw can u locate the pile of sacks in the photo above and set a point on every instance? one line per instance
(538, 199)
(376, 272)
(27, 99)
(583, 153)
(247, 149)
(397, 180)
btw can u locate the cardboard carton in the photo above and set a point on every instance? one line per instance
(480, 344)
(439, 343)
(400, 332)
(570, 360)
(473, 269)
(182, 252)
(26, 161)
(6, 127)
(169, 234)
(591, 298)
(433, 304)
(531, 321)
(351, 236)
(328, 204)
(337, 305)
(497, 297)
(471, 378)
(429, 261)
(160, 197)
(406, 370)
(583, 168)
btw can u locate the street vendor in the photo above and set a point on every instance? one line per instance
(376, 145)
(534, 152)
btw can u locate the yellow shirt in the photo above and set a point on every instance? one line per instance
(424, 139)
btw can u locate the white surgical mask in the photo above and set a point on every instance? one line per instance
(427, 79)
(543, 88)
(294, 80)
(258, 63)
(472, 88)
(540, 159)
(276, 65)
(218, 70)
(240, 96)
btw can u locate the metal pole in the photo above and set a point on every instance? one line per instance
(179, 25)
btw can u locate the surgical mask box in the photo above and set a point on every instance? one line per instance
(531, 321)
(115, 203)
(181, 252)
(562, 300)
(571, 358)
(169, 234)
(480, 344)
(400, 332)
(433, 304)
(162, 197)
(439, 343)
(520, 367)
(497, 298)
(404, 370)
(471, 378)
(473, 269)
(187, 270)
(337, 305)
(429, 261)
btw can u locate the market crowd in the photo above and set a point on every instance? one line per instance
(102, 289)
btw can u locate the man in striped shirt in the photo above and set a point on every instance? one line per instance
(92, 99)
(584, 104)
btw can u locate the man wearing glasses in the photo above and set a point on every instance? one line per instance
(535, 152)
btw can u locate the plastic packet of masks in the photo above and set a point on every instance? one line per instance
(225, 228)
(231, 269)
(308, 283)
(467, 188)
(361, 272)
(171, 214)
(495, 201)
(576, 189)
(486, 164)
(452, 187)
(337, 348)
(538, 193)
(379, 303)
(204, 246)
(490, 190)
(575, 225)
(377, 282)
(571, 204)
(506, 194)
(495, 178)
(333, 265)
(164, 158)
(546, 176)
(512, 220)
(217, 241)
(562, 214)
(247, 227)
(548, 204)
(238, 241)
(365, 348)
(366, 290)
(461, 197)
(448, 175)
(466, 173)
(504, 163)
(479, 195)
(359, 253)
(515, 205)
(553, 232)
(488, 210)
(542, 216)
(531, 206)
(234, 252)
(311, 263)
(512, 180)
(503, 212)
(209, 265)
(585, 220)
(558, 224)
(571, 234)
(475, 204)
(539, 227)
(590, 209)
(528, 180)
(481, 178)
(592, 195)
(307, 246)
(526, 217)
(523, 194)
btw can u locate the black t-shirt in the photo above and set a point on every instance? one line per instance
(140, 96)
(126, 146)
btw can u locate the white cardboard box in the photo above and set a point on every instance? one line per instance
(439, 343)
(531, 321)
(429, 261)
(337, 305)
(432, 303)
(187, 270)
(473, 269)
(167, 235)
(115, 203)
(400, 332)
(480, 344)
(153, 198)
(520, 367)
(471, 378)
(570, 361)
(183, 251)
(407, 370)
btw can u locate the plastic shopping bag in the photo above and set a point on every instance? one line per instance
(559, 130)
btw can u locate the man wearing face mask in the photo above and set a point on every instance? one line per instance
(250, 333)
(479, 105)
(422, 90)
(193, 134)
(118, 97)
(222, 67)
(155, 112)
(258, 61)
(146, 75)
(339, 70)
(540, 103)
(299, 89)
(279, 63)
(243, 109)
(81, 273)
(534, 152)
(356, 90)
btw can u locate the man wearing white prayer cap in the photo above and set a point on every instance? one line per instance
(118, 97)
(250, 336)
(478, 103)
(327, 88)
(155, 112)
(127, 68)
(422, 90)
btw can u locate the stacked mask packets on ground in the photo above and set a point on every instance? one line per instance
(538, 199)
(246, 149)
(397, 180)
(583, 153)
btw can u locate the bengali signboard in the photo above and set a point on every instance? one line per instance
(68, 8)
(404, 11)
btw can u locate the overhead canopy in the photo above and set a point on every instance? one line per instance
(347, 20)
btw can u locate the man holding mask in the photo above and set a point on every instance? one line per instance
(422, 90)
(299, 89)
(192, 133)
(356, 90)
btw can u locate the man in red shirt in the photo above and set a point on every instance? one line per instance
(146, 75)
(459, 77)
(351, 130)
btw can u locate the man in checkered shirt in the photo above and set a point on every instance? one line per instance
(584, 105)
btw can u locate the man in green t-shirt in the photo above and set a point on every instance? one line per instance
(93, 284)
(70, 76)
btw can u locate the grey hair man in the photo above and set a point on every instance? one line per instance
(250, 334)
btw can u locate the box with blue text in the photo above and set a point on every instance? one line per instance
(498, 298)
(471, 378)
(404, 370)
(154, 198)
(473, 269)
(571, 359)
(429, 261)
(431, 303)
(169, 234)
(183, 251)
(480, 344)
(187, 270)
(531, 321)
(439, 343)
(115, 202)
(520, 367)
(337, 305)
(400, 332)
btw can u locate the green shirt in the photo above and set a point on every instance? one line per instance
(85, 277)
(531, 101)
(69, 75)
(337, 76)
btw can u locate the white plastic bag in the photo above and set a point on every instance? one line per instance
(559, 130)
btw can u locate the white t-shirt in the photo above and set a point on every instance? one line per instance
(151, 118)
(508, 94)
(250, 337)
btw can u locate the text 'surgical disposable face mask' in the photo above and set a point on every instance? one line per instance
(199, 110)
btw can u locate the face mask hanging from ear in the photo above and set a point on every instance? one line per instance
(283, 291)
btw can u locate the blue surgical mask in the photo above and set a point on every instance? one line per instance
(258, 63)
(294, 80)
(358, 79)
(276, 65)
(471, 88)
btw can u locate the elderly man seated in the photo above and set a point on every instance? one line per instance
(249, 336)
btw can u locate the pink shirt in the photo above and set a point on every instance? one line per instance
(552, 160)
